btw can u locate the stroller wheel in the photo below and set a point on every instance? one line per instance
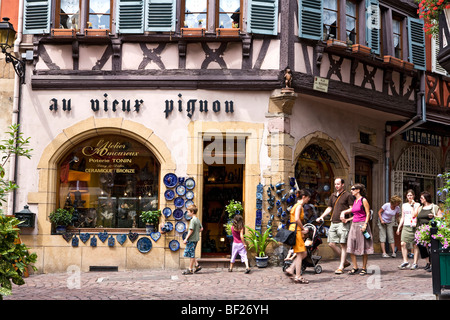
(318, 269)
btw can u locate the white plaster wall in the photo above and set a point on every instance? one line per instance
(60, 55)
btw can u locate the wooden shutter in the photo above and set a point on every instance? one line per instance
(130, 16)
(263, 16)
(36, 16)
(416, 42)
(160, 15)
(435, 66)
(373, 21)
(310, 19)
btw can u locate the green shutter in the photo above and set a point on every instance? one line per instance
(373, 25)
(130, 16)
(310, 19)
(416, 42)
(36, 16)
(263, 16)
(160, 15)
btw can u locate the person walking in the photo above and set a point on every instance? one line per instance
(424, 214)
(239, 245)
(191, 240)
(387, 215)
(338, 232)
(360, 240)
(407, 227)
(296, 221)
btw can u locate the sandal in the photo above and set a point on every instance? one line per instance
(230, 270)
(301, 280)
(197, 269)
(353, 271)
(339, 271)
(247, 270)
(363, 272)
(187, 272)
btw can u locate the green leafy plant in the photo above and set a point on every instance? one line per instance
(258, 242)
(61, 217)
(151, 217)
(233, 208)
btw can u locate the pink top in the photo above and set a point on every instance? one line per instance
(236, 235)
(358, 210)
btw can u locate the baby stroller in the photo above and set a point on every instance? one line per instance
(312, 241)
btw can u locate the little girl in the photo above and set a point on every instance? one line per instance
(239, 246)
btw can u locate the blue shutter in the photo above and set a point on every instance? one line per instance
(36, 16)
(373, 25)
(416, 42)
(263, 16)
(310, 19)
(160, 15)
(130, 16)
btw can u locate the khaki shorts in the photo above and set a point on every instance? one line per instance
(408, 234)
(338, 232)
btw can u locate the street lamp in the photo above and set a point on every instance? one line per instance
(444, 39)
(7, 37)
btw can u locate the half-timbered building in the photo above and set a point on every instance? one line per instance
(136, 105)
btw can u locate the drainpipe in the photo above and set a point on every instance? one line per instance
(417, 120)
(16, 113)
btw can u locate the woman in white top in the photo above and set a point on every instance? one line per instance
(387, 215)
(407, 226)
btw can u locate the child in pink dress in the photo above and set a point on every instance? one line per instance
(239, 246)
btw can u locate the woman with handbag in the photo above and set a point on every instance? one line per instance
(424, 214)
(296, 218)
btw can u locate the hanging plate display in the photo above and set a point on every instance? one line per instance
(190, 184)
(169, 194)
(103, 236)
(111, 241)
(75, 241)
(84, 237)
(121, 238)
(178, 202)
(133, 236)
(93, 241)
(170, 180)
(181, 190)
(144, 245)
(174, 245)
(169, 226)
(155, 235)
(188, 203)
(180, 226)
(190, 195)
(178, 214)
(167, 212)
(186, 216)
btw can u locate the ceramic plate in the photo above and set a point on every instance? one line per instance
(169, 226)
(190, 195)
(169, 194)
(144, 245)
(188, 203)
(190, 184)
(180, 226)
(178, 202)
(170, 180)
(174, 245)
(181, 190)
(167, 212)
(178, 214)
(186, 216)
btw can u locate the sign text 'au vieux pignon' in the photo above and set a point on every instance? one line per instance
(135, 106)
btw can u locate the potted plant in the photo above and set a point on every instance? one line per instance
(151, 219)
(233, 208)
(259, 243)
(429, 11)
(61, 218)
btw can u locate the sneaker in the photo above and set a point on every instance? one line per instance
(404, 265)
(394, 255)
(187, 272)
(385, 255)
(247, 270)
(414, 266)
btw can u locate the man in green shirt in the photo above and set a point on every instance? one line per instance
(193, 236)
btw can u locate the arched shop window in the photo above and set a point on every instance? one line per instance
(313, 172)
(108, 181)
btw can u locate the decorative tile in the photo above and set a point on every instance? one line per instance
(133, 236)
(121, 238)
(103, 236)
(67, 236)
(84, 237)
(155, 235)
(111, 241)
(93, 241)
(75, 241)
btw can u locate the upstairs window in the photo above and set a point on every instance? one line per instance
(99, 14)
(351, 21)
(229, 14)
(195, 14)
(397, 37)
(330, 19)
(68, 14)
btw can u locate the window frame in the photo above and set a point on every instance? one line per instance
(338, 19)
(57, 12)
(111, 13)
(217, 14)
(401, 35)
(356, 3)
(183, 15)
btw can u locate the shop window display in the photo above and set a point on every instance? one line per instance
(109, 180)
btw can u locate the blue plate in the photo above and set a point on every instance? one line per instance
(169, 226)
(167, 212)
(181, 190)
(190, 195)
(170, 180)
(188, 203)
(180, 226)
(169, 194)
(144, 245)
(174, 245)
(178, 202)
(186, 216)
(178, 214)
(189, 183)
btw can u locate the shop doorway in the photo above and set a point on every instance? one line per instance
(223, 172)
(363, 174)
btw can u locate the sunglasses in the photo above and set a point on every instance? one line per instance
(353, 189)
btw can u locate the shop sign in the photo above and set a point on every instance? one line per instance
(202, 105)
(320, 84)
(416, 136)
(124, 105)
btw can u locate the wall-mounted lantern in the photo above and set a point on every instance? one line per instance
(27, 217)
